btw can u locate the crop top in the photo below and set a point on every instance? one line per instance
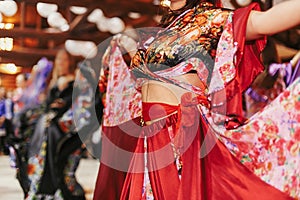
(189, 43)
(206, 39)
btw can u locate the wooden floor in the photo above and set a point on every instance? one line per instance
(11, 190)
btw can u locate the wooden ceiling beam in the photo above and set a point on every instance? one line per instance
(30, 51)
(50, 39)
(20, 56)
(43, 34)
(30, 32)
(21, 60)
(144, 7)
(61, 3)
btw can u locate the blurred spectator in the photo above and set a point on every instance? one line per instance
(2, 120)
(53, 156)
(21, 83)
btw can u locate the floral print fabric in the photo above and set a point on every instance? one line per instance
(35, 171)
(122, 100)
(187, 46)
(269, 144)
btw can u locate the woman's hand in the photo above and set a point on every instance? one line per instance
(128, 44)
(279, 18)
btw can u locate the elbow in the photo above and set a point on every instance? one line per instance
(255, 29)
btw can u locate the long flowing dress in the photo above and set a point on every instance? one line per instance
(203, 148)
(26, 117)
(55, 148)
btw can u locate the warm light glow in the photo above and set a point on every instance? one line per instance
(9, 26)
(9, 68)
(6, 44)
(165, 3)
(134, 15)
(6, 26)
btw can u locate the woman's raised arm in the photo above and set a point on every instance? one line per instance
(280, 17)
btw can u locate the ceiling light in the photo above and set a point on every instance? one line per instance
(6, 44)
(8, 7)
(87, 49)
(78, 10)
(45, 9)
(95, 15)
(6, 26)
(103, 24)
(134, 15)
(9, 68)
(9, 26)
(56, 20)
(72, 46)
(64, 27)
(116, 25)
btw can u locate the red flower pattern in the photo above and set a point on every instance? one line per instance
(271, 128)
(297, 105)
(297, 134)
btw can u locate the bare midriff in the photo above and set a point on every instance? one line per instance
(159, 92)
(155, 91)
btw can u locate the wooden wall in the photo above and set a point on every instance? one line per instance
(9, 81)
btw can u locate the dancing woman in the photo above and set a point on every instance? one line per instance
(50, 176)
(194, 142)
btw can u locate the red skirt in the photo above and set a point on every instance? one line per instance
(209, 172)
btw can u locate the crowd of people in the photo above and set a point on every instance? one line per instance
(41, 137)
(10, 105)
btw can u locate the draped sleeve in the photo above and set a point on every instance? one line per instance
(247, 61)
(122, 99)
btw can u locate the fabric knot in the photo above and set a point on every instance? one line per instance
(188, 100)
(187, 110)
(188, 117)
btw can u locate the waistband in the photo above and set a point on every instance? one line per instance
(154, 110)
